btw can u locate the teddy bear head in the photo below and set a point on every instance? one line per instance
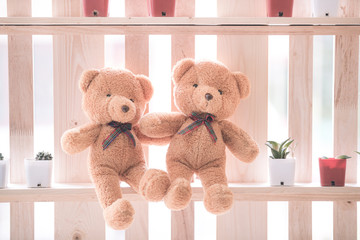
(114, 95)
(208, 87)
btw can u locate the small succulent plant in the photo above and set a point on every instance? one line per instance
(279, 150)
(338, 157)
(44, 156)
(1, 157)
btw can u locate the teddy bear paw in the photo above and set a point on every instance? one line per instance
(178, 195)
(154, 185)
(119, 215)
(218, 199)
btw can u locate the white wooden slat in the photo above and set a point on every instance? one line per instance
(137, 61)
(21, 118)
(345, 126)
(73, 54)
(248, 54)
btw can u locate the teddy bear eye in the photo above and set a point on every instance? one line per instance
(131, 99)
(108, 95)
(195, 85)
(221, 92)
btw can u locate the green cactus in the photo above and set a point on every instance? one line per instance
(1, 157)
(44, 156)
(279, 150)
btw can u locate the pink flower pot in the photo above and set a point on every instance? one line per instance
(332, 172)
(279, 8)
(95, 8)
(161, 8)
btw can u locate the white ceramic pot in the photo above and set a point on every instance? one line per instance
(4, 171)
(38, 173)
(325, 8)
(282, 171)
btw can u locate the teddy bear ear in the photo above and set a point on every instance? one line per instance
(243, 84)
(181, 68)
(146, 86)
(86, 78)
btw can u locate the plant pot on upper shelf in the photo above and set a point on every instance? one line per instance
(4, 171)
(332, 171)
(279, 8)
(38, 171)
(95, 8)
(161, 8)
(325, 8)
(281, 168)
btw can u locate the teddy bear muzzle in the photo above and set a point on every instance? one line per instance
(207, 99)
(121, 109)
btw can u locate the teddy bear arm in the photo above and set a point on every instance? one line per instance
(161, 125)
(241, 145)
(150, 140)
(78, 139)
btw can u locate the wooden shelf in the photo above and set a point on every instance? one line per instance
(242, 192)
(148, 25)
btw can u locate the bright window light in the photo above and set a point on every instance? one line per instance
(5, 221)
(278, 220)
(322, 220)
(4, 97)
(205, 223)
(206, 47)
(3, 8)
(111, 234)
(44, 220)
(41, 8)
(116, 8)
(205, 8)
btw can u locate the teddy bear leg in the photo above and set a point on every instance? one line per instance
(179, 193)
(118, 212)
(218, 197)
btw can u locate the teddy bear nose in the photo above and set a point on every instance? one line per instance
(125, 108)
(208, 96)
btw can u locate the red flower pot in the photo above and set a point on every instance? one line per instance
(332, 172)
(279, 8)
(161, 8)
(95, 8)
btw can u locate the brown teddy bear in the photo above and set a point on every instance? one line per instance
(115, 100)
(206, 93)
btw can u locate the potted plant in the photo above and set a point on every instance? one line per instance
(325, 8)
(281, 168)
(161, 8)
(38, 171)
(4, 170)
(332, 170)
(95, 8)
(279, 8)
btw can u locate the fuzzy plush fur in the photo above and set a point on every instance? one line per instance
(196, 152)
(105, 93)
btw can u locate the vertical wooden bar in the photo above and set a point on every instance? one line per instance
(248, 54)
(137, 61)
(21, 118)
(345, 126)
(349, 8)
(72, 55)
(300, 121)
(182, 46)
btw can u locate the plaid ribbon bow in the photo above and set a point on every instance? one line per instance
(198, 121)
(119, 128)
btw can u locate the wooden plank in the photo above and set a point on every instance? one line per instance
(191, 29)
(345, 220)
(137, 61)
(349, 8)
(242, 192)
(345, 126)
(22, 220)
(243, 221)
(182, 223)
(20, 118)
(248, 54)
(300, 220)
(72, 55)
(90, 225)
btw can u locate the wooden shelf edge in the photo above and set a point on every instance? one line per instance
(171, 21)
(242, 192)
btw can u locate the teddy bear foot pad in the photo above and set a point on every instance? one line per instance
(119, 215)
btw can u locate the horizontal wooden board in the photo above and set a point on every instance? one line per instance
(242, 192)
